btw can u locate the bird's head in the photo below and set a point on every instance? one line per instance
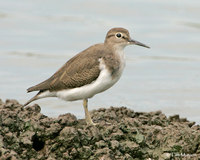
(119, 37)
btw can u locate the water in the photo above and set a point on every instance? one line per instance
(38, 37)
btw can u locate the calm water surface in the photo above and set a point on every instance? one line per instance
(38, 37)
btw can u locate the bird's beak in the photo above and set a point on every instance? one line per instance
(132, 41)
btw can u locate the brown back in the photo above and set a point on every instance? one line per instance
(80, 70)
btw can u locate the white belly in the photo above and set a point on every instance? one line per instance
(102, 83)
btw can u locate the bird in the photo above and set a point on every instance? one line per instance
(88, 73)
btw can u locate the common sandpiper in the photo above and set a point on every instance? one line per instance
(92, 71)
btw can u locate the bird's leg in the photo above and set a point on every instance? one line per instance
(87, 114)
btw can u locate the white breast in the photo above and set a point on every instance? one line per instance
(102, 83)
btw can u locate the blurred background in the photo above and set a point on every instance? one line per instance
(38, 37)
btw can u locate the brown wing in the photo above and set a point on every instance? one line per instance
(78, 71)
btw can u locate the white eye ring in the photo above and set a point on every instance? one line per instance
(118, 35)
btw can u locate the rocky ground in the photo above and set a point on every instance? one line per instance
(121, 134)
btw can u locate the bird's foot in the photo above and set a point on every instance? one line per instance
(107, 123)
(90, 122)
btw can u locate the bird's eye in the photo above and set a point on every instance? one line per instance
(118, 35)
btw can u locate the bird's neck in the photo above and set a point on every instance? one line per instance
(118, 52)
(116, 48)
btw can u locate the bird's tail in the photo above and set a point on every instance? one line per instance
(31, 100)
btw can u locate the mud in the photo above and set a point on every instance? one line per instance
(121, 134)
